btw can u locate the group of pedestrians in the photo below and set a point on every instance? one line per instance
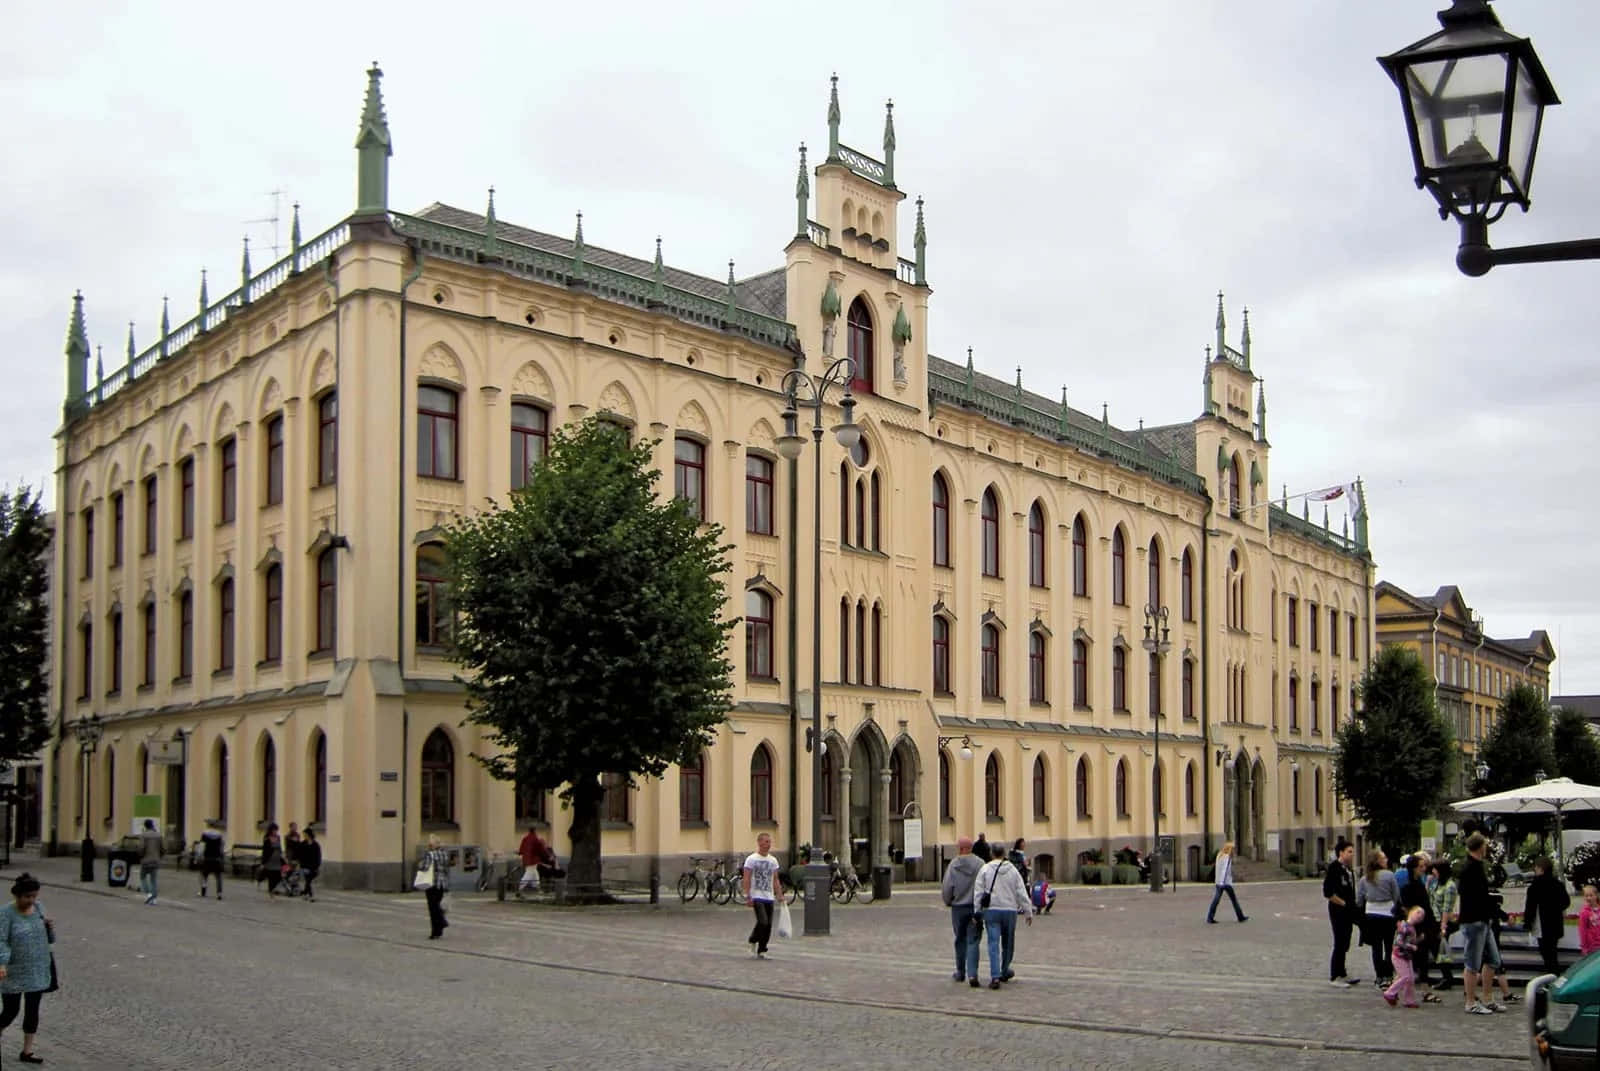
(297, 854)
(986, 894)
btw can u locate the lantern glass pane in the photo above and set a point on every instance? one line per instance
(1459, 106)
(1525, 109)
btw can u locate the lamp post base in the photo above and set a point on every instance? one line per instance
(819, 905)
(86, 860)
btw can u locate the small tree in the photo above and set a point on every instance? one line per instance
(1520, 746)
(24, 631)
(1396, 755)
(1577, 753)
(590, 619)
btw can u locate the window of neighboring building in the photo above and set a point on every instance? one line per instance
(438, 426)
(88, 542)
(115, 686)
(757, 634)
(1040, 789)
(186, 498)
(1157, 797)
(186, 635)
(433, 597)
(117, 516)
(1080, 556)
(941, 656)
(530, 806)
(228, 480)
(1186, 585)
(1153, 566)
(1316, 705)
(991, 787)
(147, 676)
(991, 662)
(1119, 679)
(1352, 635)
(274, 461)
(269, 781)
(761, 785)
(757, 494)
(1294, 704)
(1081, 786)
(439, 779)
(328, 439)
(327, 601)
(1188, 689)
(1036, 667)
(1119, 568)
(692, 789)
(272, 614)
(858, 324)
(1293, 614)
(1122, 788)
(689, 474)
(319, 781)
(1333, 633)
(1294, 781)
(530, 438)
(1313, 625)
(1080, 674)
(844, 641)
(944, 787)
(222, 782)
(1036, 574)
(150, 515)
(991, 533)
(941, 520)
(1316, 790)
(1188, 790)
(225, 625)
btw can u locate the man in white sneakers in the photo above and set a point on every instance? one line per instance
(762, 887)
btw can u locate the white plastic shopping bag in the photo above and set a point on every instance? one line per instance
(785, 924)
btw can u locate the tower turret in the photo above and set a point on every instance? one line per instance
(373, 149)
(77, 352)
(888, 145)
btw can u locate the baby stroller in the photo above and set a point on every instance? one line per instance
(294, 881)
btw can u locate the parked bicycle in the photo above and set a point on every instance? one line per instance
(499, 865)
(726, 883)
(700, 875)
(847, 885)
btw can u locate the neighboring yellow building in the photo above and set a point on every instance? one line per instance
(1471, 671)
(250, 595)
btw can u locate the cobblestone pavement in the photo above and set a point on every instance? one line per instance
(1111, 978)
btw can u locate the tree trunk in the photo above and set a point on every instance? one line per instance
(583, 870)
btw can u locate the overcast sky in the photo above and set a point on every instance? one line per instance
(1091, 181)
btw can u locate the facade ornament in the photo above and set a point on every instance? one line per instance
(1016, 399)
(1222, 341)
(831, 307)
(802, 196)
(901, 335)
(968, 394)
(577, 253)
(1261, 412)
(921, 243)
(888, 145)
(1208, 406)
(833, 118)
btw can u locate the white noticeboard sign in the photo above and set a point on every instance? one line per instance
(1272, 842)
(913, 836)
(165, 752)
(1430, 844)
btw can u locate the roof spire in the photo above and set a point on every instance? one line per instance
(733, 304)
(577, 251)
(166, 325)
(1324, 516)
(294, 239)
(833, 118)
(1261, 412)
(1244, 341)
(1208, 405)
(77, 351)
(967, 395)
(373, 149)
(204, 301)
(130, 347)
(99, 369)
(1061, 418)
(921, 243)
(888, 145)
(1222, 342)
(491, 240)
(658, 278)
(244, 273)
(1016, 399)
(802, 196)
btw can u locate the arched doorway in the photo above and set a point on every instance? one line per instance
(866, 795)
(905, 775)
(1244, 806)
(1258, 811)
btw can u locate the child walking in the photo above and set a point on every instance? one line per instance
(1589, 921)
(1405, 949)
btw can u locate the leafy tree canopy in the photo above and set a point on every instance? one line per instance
(1520, 746)
(1577, 752)
(590, 623)
(1395, 756)
(24, 633)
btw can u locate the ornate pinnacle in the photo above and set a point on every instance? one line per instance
(373, 149)
(1061, 418)
(968, 392)
(1244, 341)
(99, 367)
(294, 237)
(888, 145)
(165, 328)
(374, 124)
(77, 332)
(921, 243)
(733, 304)
(491, 241)
(1324, 516)
(658, 277)
(577, 250)
(1261, 412)
(130, 342)
(802, 196)
(833, 118)
(1222, 342)
(1016, 399)
(1285, 496)
(205, 302)
(244, 272)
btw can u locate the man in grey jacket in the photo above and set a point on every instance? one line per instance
(149, 859)
(965, 922)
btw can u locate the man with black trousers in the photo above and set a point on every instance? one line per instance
(1546, 907)
(1339, 889)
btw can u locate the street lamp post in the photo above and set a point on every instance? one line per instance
(89, 730)
(800, 388)
(1156, 641)
(1474, 98)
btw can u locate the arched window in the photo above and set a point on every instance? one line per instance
(1041, 807)
(225, 624)
(877, 525)
(991, 533)
(877, 644)
(1233, 486)
(941, 655)
(1188, 790)
(1036, 664)
(1080, 556)
(111, 786)
(844, 503)
(227, 488)
(438, 426)
(941, 520)
(858, 323)
(319, 780)
(692, 789)
(274, 473)
(186, 635)
(1294, 785)
(616, 803)
(1122, 788)
(1153, 564)
(1081, 787)
(272, 614)
(185, 502)
(861, 642)
(530, 438)
(221, 765)
(1119, 567)
(761, 785)
(1119, 678)
(1080, 673)
(757, 494)
(991, 786)
(1316, 785)
(327, 601)
(757, 633)
(944, 787)
(689, 474)
(438, 779)
(991, 662)
(1188, 689)
(844, 641)
(1036, 574)
(327, 439)
(269, 780)
(1186, 585)
(433, 602)
(897, 783)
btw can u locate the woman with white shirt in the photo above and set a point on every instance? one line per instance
(999, 894)
(1223, 868)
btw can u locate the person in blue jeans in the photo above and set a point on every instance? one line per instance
(1001, 896)
(956, 891)
(1224, 878)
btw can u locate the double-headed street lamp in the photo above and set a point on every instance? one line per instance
(800, 388)
(89, 730)
(1156, 641)
(1474, 98)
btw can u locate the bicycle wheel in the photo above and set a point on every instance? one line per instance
(717, 890)
(736, 890)
(863, 892)
(688, 887)
(840, 890)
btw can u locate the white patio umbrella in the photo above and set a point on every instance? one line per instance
(1553, 795)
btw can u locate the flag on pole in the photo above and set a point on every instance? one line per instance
(1344, 491)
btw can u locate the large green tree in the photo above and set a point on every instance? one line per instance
(1577, 753)
(1395, 755)
(1519, 747)
(591, 626)
(24, 631)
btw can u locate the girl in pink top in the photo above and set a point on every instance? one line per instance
(1589, 921)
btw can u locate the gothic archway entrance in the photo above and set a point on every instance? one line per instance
(866, 800)
(1258, 811)
(1244, 803)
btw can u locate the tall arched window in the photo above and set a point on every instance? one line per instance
(1119, 678)
(272, 615)
(757, 633)
(877, 523)
(1036, 664)
(991, 662)
(1119, 567)
(1186, 586)
(433, 602)
(844, 503)
(761, 785)
(269, 780)
(1294, 786)
(438, 433)
(689, 474)
(1188, 689)
(327, 601)
(1122, 788)
(1036, 574)
(1188, 790)
(111, 786)
(991, 787)
(692, 789)
(438, 779)
(844, 641)
(616, 802)
(877, 643)
(225, 625)
(186, 635)
(858, 323)
(941, 520)
(1080, 673)
(991, 533)
(221, 766)
(1233, 486)
(861, 642)
(274, 466)
(530, 437)
(1080, 556)
(1153, 564)
(897, 783)
(758, 494)
(1041, 808)
(944, 787)
(319, 780)
(1316, 786)
(941, 655)
(1081, 786)
(327, 439)
(1154, 685)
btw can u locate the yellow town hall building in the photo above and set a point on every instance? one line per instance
(252, 621)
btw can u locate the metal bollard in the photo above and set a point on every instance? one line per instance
(655, 888)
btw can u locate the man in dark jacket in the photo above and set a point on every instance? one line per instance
(1546, 908)
(1481, 952)
(310, 857)
(1339, 889)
